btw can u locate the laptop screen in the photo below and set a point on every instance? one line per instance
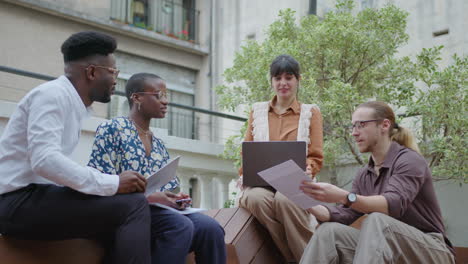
(261, 155)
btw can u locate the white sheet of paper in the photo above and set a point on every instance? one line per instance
(160, 178)
(286, 178)
(189, 210)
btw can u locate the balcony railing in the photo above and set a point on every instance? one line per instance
(173, 18)
(181, 121)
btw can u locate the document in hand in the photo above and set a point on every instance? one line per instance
(286, 178)
(188, 210)
(165, 174)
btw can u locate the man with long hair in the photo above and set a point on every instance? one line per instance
(395, 190)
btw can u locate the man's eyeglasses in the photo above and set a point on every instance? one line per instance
(159, 94)
(360, 124)
(114, 71)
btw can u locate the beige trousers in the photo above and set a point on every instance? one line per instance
(290, 226)
(382, 239)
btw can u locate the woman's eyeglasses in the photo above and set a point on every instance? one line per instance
(160, 95)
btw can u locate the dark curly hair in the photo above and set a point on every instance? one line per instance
(136, 83)
(87, 43)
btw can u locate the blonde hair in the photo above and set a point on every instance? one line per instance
(401, 135)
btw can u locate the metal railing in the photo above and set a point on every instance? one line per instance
(190, 119)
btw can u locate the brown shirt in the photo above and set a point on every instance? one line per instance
(406, 183)
(283, 127)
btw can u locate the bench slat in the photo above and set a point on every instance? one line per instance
(236, 224)
(225, 215)
(74, 251)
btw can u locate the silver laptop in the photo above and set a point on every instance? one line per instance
(261, 155)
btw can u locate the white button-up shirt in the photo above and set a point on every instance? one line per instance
(40, 136)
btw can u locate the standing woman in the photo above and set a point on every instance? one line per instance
(127, 143)
(285, 119)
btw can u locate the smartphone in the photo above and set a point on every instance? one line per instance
(183, 200)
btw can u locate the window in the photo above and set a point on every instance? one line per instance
(312, 7)
(174, 18)
(440, 32)
(140, 13)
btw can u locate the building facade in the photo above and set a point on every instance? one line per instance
(169, 38)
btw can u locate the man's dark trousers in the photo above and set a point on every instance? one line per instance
(49, 212)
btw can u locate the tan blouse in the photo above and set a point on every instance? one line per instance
(283, 127)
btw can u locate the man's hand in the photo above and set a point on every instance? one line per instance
(130, 182)
(324, 192)
(169, 199)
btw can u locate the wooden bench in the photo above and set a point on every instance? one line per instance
(247, 241)
(462, 255)
(74, 251)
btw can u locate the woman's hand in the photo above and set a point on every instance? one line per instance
(184, 200)
(240, 183)
(309, 173)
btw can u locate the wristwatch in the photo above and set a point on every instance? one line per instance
(350, 199)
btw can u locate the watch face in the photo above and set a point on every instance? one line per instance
(352, 197)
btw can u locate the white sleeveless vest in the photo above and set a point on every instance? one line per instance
(260, 132)
(260, 128)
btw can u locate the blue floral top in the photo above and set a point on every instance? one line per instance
(118, 148)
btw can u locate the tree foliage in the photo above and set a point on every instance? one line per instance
(347, 59)
(442, 108)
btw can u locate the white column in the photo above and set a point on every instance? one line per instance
(215, 185)
(196, 193)
(217, 192)
(220, 190)
(206, 193)
(184, 176)
(224, 189)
